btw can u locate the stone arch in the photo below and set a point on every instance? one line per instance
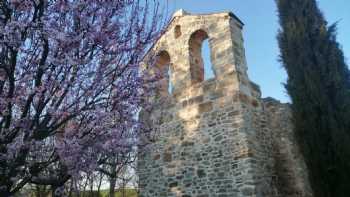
(197, 67)
(163, 65)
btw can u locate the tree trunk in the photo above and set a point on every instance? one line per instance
(112, 183)
(53, 191)
(99, 186)
(91, 187)
(70, 193)
(84, 189)
(123, 189)
(37, 191)
(41, 190)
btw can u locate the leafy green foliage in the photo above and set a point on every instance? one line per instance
(319, 86)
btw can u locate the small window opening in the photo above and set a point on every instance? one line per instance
(170, 84)
(208, 67)
(177, 31)
(164, 73)
(200, 63)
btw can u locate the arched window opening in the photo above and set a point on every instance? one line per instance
(177, 31)
(170, 85)
(208, 67)
(201, 68)
(164, 73)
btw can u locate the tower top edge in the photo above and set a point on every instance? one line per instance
(182, 13)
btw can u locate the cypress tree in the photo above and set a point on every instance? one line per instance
(319, 86)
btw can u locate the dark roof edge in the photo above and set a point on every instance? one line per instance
(235, 17)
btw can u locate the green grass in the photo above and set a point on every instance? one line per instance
(129, 193)
(103, 193)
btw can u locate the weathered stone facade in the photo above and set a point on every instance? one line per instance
(215, 138)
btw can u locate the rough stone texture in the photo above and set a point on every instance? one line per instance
(289, 165)
(215, 138)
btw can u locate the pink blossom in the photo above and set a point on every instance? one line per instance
(71, 86)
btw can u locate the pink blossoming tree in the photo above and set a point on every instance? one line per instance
(70, 86)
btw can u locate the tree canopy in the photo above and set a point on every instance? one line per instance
(70, 85)
(319, 86)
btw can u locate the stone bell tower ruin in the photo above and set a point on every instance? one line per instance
(217, 137)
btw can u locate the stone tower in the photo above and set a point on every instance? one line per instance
(217, 137)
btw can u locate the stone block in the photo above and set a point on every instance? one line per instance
(205, 107)
(167, 157)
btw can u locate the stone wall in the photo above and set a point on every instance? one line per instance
(213, 138)
(289, 166)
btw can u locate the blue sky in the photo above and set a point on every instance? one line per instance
(261, 25)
